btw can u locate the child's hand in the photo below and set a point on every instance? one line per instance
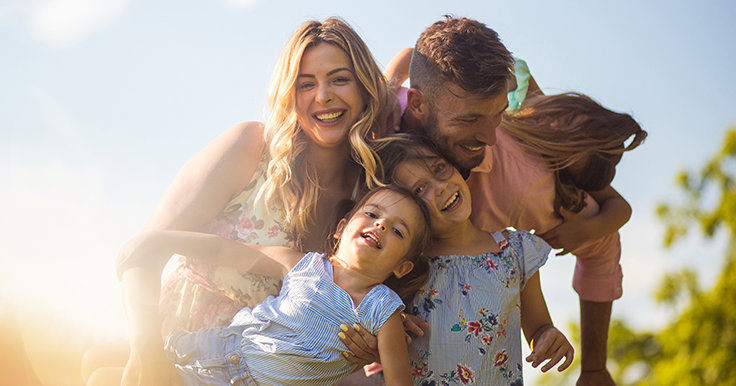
(553, 345)
(413, 324)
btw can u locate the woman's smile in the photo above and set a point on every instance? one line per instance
(329, 97)
(329, 117)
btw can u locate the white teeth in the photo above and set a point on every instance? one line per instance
(451, 201)
(372, 236)
(474, 148)
(331, 117)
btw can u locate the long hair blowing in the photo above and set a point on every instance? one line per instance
(292, 183)
(547, 127)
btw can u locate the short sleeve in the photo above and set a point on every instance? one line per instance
(517, 96)
(533, 252)
(381, 303)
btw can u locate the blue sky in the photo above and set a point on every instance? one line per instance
(102, 101)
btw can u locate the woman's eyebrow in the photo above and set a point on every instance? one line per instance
(328, 74)
(338, 70)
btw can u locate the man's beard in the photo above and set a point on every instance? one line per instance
(462, 162)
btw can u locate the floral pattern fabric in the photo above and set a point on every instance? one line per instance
(472, 304)
(198, 295)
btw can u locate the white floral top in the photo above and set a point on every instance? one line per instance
(198, 295)
(472, 304)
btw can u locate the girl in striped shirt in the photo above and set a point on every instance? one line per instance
(377, 259)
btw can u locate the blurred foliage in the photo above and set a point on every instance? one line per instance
(699, 346)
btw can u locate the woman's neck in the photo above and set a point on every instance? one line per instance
(337, 176)
(330, 165)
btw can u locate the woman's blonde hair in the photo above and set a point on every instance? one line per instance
(292, 183)
(570, 128)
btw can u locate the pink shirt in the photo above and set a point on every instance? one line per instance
(511, 188)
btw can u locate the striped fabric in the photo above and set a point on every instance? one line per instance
(292, 339)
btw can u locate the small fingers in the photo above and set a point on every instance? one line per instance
(414, 324)
(553, 353)
(569, 355)
(553, 360)
(565, 351)
(543, 349)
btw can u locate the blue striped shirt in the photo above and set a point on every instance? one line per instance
(293, 337)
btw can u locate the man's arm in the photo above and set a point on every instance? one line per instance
(576, 230)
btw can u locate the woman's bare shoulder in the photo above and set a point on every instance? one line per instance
(249, 133)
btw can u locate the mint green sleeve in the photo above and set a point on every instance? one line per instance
(516, 97)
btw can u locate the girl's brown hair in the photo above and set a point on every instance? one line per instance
(406, 286)
(572, 129)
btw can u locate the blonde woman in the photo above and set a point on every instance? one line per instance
(277, 183)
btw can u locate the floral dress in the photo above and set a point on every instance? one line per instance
(199, 295)
(472, 304)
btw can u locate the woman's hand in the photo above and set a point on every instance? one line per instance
(550, 343)
(131, 253)
(364, 346)
(148, 248)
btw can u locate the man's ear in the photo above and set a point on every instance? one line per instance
(402, 269)
(340, 228)
(417, 104)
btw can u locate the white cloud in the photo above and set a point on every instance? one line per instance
(242, 3)
(63, 23)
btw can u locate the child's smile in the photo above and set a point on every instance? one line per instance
(378, 237)
(371, 239)
(441, 186)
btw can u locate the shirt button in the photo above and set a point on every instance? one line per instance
(234, 359)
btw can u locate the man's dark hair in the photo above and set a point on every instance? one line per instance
(462, 51)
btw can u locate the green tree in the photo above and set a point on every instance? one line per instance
(699, 346)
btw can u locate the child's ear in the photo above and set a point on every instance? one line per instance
(417, 104)
(340, 228)
(402, 269)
